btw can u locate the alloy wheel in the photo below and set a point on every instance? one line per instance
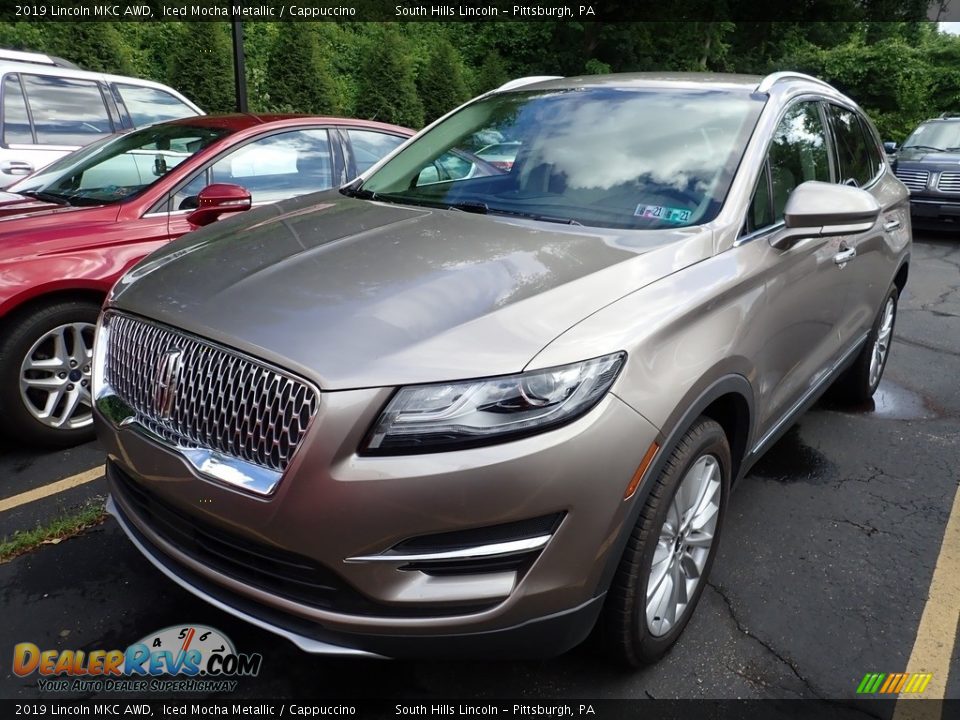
(881, 346)
(684, 545)
(55, 377)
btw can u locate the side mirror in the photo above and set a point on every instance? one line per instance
(819, 209)
(217, 199)
(889, 146)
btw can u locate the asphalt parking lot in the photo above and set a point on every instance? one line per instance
(824, 572)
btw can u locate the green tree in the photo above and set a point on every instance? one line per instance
(91, 45)
(441, 83)
(200, 66)
(386, 86)
(299, 72)
(492, 73)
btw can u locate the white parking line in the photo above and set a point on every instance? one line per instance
(51, 489)
(936, 635)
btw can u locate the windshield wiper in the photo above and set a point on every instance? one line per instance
(922, 147)
(45, 196)
(482, 208)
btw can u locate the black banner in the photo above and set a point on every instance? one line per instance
(433, 708)
(472, 10)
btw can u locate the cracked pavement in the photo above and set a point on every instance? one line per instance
(827, 553)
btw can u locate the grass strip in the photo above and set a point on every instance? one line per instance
(61, 528)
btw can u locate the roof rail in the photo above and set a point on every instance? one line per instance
(36, 59)
(520, 82)
(773, 78)
(949, 114)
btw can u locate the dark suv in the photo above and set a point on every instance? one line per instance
(928, 163)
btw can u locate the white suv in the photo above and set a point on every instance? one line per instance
(51, 107)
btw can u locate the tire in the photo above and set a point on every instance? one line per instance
(24, 392)
(858, 384)
(628, 633)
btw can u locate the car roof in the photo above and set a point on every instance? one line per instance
(646, 79)
(242, 121)
(781, 81)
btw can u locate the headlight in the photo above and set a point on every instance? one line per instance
(450, 416)
(98, 380)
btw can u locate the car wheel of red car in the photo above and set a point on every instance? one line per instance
(45, 372)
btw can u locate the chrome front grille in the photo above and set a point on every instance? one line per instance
(213, 398)
(949, 181)
(913, 179)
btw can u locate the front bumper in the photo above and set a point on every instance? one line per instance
(339, 513)
(935, 207)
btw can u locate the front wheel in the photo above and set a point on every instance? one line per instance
(669, 555)
(45, 373)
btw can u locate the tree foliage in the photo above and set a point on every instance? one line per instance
(300, 77)
(200, 65)
(441, 83)
(387, 89)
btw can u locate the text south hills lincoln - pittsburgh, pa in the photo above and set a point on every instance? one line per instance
(437, 11)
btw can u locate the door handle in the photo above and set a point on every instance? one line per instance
(891, 226)
(16, 167)
(845, 255)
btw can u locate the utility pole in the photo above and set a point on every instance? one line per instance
(239, 62)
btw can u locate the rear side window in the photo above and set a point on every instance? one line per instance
(369, 147)
(66, 111)
(16, 123)
(148, 105)
(798, 153)
(856, 164)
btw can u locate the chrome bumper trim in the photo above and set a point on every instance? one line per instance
(479, 552)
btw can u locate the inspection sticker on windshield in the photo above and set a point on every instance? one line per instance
(662, 213)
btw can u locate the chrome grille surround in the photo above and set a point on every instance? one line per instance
(223, 402)
(913, 179)
(949, 181)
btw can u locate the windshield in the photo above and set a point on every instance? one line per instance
(114, 169)
(935, 136)
(605, 157)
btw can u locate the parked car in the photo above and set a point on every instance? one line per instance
(68, 232)
(500, 155)
(484, 416)
(52, 107)
(928, 163)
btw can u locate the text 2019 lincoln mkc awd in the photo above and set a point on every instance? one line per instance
(458, 408)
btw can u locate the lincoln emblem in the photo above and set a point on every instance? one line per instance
(166, 378)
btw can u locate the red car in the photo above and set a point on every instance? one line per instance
(68, 232)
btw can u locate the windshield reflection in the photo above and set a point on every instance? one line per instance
(606, 157)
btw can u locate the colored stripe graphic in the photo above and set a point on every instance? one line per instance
(894, 683)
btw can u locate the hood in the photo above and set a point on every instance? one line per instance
(926, 157)
(356, 293)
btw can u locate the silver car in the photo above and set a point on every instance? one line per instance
(489, 414)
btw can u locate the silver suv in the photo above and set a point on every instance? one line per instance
(486, 410)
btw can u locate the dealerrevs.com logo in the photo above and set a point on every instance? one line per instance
(180, 658)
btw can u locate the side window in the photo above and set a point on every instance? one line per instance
(148, 105)
(854, 162)
(66, 111)
(272, 168)
(369, 146)
(16, 123)
(761, 211)
(876, 155)
(798, 153)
